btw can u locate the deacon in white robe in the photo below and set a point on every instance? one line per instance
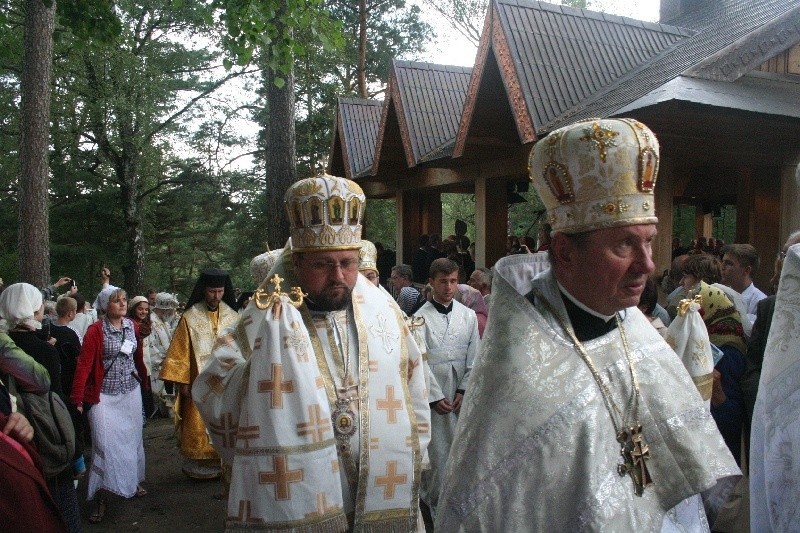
(775, 433)
(451, 337)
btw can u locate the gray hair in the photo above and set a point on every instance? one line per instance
(484, 276)
(403, 271)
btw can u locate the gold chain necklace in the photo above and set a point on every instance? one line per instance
(344, 419)
(633, 449)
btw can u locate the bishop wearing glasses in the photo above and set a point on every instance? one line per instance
(316, 400)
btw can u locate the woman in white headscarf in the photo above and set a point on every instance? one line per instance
(108, 375)
(22, 309)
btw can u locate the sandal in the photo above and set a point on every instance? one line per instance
(140, 491)
(99, 511)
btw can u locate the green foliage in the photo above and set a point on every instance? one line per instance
(89, 19)
(684, 225)
(323, 74)
(272, 25)
(380, 222)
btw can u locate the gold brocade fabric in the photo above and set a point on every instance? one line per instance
(197, 327)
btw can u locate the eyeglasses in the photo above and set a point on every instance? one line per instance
(347, 265)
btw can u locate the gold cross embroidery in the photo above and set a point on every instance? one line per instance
(248, 433)
(600, 137)
(322, 506)
(275, 386)
(390, 480)
(298, 341)
(390, 405)
(316, 427)
(245, 510)
(227, 429)
(214, 383)
(281, 477)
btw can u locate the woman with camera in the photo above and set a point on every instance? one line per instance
(108, 377)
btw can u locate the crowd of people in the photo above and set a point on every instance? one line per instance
(563, 389)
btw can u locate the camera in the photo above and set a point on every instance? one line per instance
(72, 283)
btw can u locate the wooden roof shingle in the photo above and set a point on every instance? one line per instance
(554, 57)
(718, 28)
(355, 132)
(428, 100)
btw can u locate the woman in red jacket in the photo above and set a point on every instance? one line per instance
(108, 375)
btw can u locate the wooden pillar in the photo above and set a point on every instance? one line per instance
(491, 221)
(418, 212)
(665, 185)
(767, 212)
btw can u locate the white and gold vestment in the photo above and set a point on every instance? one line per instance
(535, 448)
(268, 396)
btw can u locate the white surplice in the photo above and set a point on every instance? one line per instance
(452, 342)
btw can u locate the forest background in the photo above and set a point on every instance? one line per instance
(165, 146)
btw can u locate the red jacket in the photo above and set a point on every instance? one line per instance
(25, 501)
(89, 371)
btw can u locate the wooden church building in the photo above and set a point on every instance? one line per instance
(718, 81)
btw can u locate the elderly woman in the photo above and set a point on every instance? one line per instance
(163, 320)
(108, 375)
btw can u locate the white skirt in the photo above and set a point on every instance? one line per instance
(117, 447)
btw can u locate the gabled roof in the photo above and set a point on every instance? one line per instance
(553, 57)
(755, 92)
(427, 100)
(355, 130)
(720, 28)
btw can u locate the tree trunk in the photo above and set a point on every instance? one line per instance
(279, 153)
(362, 49)
(34, 225)
(134, 237)
(128, 176)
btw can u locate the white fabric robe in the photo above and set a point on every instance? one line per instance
(775, 435)
(159, 339)
(535, 449)
(452, 342)
(259, 429)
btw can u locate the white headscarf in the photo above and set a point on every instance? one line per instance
(101, 302)
(18, 303)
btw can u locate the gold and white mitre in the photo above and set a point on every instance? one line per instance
(596, 174)
(325, 213)
(367, 256)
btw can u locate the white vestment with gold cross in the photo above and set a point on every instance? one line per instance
(267, 396)
(536, 450)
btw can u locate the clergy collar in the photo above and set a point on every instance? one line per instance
(441, 308)
(565, 292)
(586, 323)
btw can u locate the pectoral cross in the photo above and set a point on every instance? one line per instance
(635, 452)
